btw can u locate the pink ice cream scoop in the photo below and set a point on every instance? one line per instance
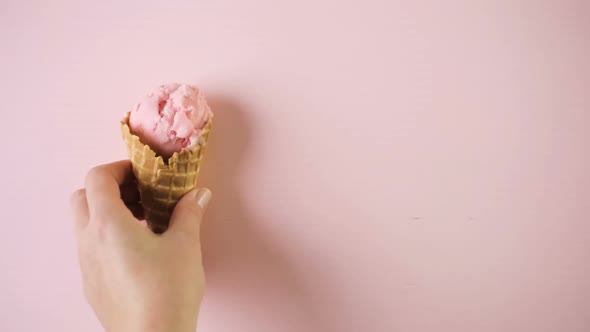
(170, 118)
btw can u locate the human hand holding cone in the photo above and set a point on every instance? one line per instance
(166, 135)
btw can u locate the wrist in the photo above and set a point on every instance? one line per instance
(157, 323)
(167, 327)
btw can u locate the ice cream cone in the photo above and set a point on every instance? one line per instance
(163, 183)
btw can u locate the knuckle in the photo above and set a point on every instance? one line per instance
(94, 174)
(187, 236)
(193, 210)
(77, 197)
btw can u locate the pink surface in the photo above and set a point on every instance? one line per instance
(376, 165)
(170, 118)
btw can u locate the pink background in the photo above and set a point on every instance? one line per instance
(378, 166)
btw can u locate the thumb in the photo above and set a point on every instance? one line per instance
(187, 215)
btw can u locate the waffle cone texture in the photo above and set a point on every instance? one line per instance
(162, 183)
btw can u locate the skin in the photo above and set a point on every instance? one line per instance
(133, 279)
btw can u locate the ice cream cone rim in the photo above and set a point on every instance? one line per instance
(159, 159)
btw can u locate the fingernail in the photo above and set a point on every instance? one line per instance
(203, 197)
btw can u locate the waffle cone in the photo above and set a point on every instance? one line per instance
(162, 184)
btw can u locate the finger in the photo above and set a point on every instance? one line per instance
(79, 210)
(188, 213)
(102, 188)
(130, 193)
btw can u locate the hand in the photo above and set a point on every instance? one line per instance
(134, 279)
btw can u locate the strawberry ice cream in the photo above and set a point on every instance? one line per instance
(170, 119)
